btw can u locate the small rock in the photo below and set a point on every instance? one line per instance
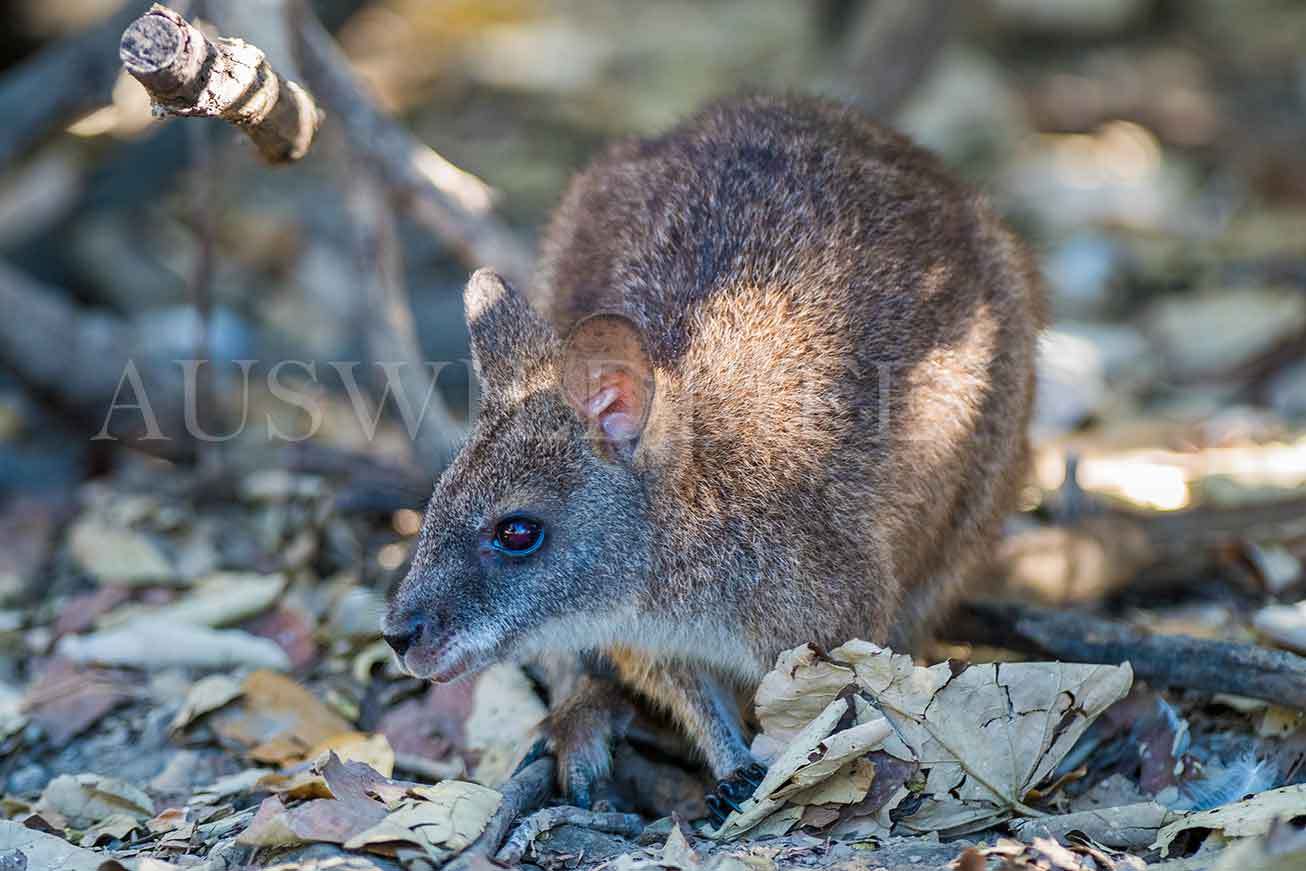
(1284, 625)
(1213, 331)
(1079, 273)
(1287, 391)
(27, 780)
(151, 644)
(118, 555)
(1073, 18)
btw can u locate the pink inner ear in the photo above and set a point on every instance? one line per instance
(601, 402)
(611, 408)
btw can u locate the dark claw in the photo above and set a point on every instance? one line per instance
(538, 751)
(731, 792)
(716, 811)
(734, 791)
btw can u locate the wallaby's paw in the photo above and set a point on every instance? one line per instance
(580, 774)
(732, 791)
(576, 777)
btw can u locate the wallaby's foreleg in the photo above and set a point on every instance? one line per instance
(579, 732)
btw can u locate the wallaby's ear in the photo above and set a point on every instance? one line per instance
(508, 335)
(607, 378)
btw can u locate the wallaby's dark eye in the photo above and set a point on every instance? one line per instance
(518, 536)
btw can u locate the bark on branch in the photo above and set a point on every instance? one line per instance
(1162, 660)
(625, 825)
(187, 74)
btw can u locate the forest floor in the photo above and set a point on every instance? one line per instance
(191, 674)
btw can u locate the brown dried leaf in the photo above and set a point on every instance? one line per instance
(220, 599)
(206, 695)
(68, 698)
(983, 737)
(307, 779)
(118, 554)
(800, 686)
(278, 720)
(321, 820)
(113, 827)
(151, 643)
(451, 816)
(987, 735)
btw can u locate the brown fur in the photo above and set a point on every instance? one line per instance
(830, 368)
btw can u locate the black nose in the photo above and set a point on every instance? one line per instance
(410, 635)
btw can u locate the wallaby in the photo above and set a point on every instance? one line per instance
(770, 386)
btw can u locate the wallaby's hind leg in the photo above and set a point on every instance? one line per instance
(698, 702)
(581, 726)
(706, 710)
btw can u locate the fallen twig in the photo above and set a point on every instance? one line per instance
(626, 825)
(1127, 827)
(187, 74)
(528, 790)
(1162, 660)
(452, 203)
(1113, 550)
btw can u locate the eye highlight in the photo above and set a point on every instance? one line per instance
(517, 536)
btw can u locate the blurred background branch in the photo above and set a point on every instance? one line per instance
(67, 79)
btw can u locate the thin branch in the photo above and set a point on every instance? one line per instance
(66, 80)
(454, 204)
(625, 825)
(894, 44)
(204, 194)
(80, 360)
(1161, 660)
(387, 316)
(187, 74)
(526, 791)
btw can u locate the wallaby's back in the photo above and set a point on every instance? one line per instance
(849, 335)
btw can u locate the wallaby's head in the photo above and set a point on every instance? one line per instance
(538, 533)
